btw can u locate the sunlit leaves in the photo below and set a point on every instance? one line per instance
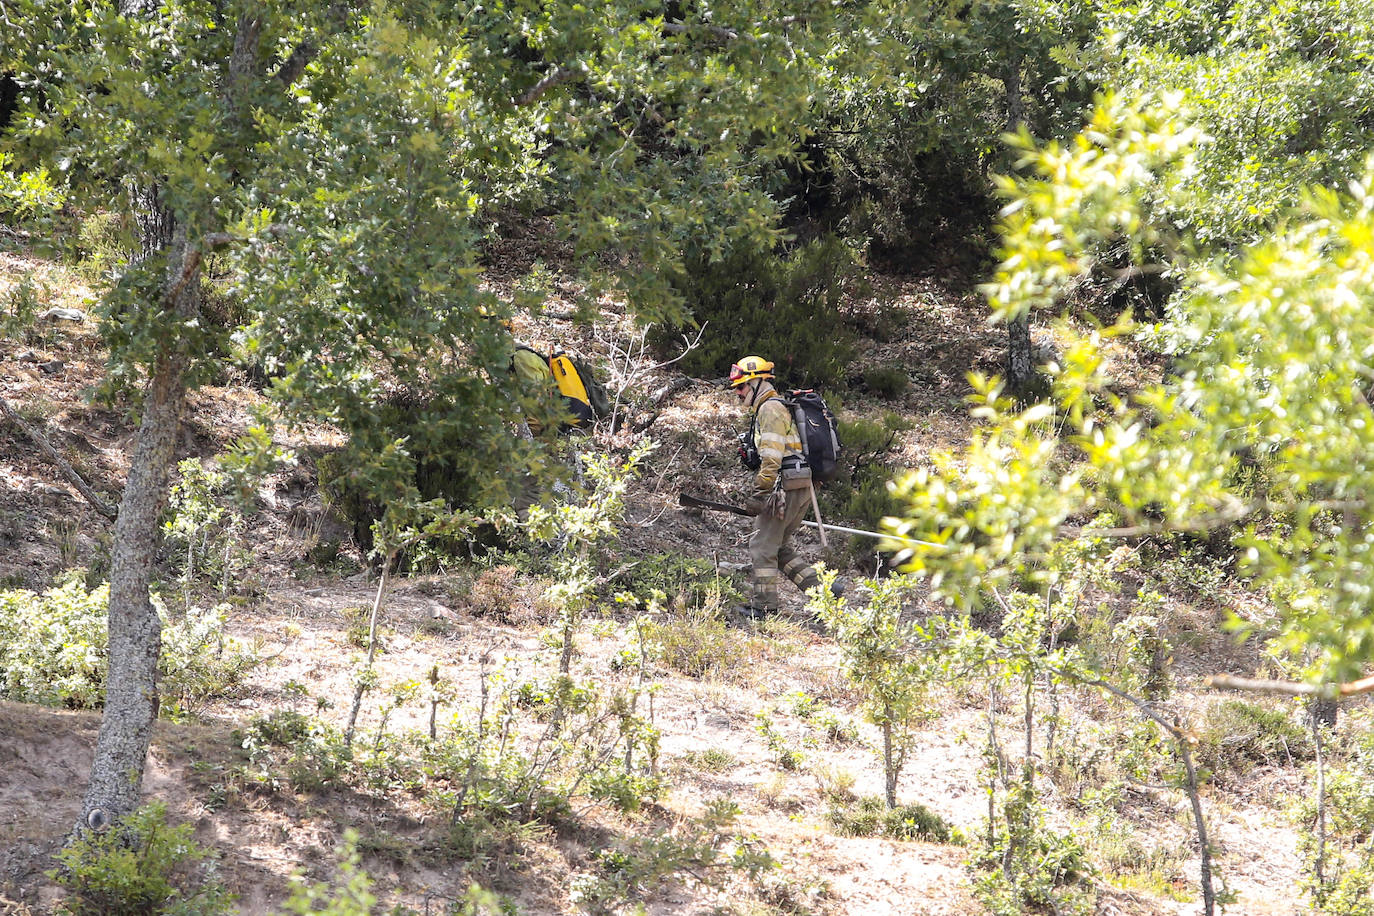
(1079, 193)
(1274, 385)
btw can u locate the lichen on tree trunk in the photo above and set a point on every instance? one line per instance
(135, 631)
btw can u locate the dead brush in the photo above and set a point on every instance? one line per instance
(498, 595)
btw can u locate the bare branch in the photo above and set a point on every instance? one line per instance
(630, 364)
(555, 77)
(1229, 515)
(1190, 787)
(680, 383)
(1289, 688)
(56, 458)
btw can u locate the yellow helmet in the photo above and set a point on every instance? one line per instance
(748, 369)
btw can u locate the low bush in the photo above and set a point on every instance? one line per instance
(870, 816)
(1236, 736)
(704, 850)
(711, 760)
(54, 650)
(887, 382)
(696, 642)
(497, 594)
(142, 866)
(785, 307)
(685, 582)
(1040, 872)
(19, 308)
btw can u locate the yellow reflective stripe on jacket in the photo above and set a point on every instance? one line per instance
(776, 436)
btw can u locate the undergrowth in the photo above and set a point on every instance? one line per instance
(54, 650)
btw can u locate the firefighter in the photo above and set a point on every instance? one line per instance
(778, 497)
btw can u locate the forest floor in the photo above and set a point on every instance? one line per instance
(722, 734)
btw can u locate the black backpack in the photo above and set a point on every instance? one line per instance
(820, 437)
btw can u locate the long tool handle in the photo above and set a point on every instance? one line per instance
(816, 508)
(696, 502)
(877, 535)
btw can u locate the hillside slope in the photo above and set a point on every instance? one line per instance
(766, 720)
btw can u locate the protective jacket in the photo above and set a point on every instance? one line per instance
(776, 437)
(781, 512)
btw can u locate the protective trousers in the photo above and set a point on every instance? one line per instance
(772, 554)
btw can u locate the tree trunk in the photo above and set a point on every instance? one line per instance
(131, 700)
(1324, 711)
(889, 768)
(1021, 379)
(1020, 366)
(9, 98)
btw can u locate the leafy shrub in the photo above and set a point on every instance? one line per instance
(696, 642)
(143, 866)
(785, 755)
(19, 308)
(685, 582)
(307, 753)
(349, 894)
(711, 760)
(1031, 868)
(1348, 849)
(53, 646)
(704, 850)
(870, 816)
(105, 240)
(54, 649)
(404, 451)
(888, 658)
(785, 308)
(886, 382)
(199, 662)
(496, 594)
(28, 195)
(862, 494)
(1236, 736)
(201, 530)
(627, 792)
(835, 728)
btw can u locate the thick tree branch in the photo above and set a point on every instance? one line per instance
(555, 77)
(1290, 688)
(301, 56)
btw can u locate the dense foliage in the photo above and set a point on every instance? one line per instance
(1271, 382)
(53, 650)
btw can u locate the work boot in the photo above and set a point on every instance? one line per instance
(841, 586)
(749, 612)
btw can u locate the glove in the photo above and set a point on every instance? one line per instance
(753, 505)
(775, 505)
